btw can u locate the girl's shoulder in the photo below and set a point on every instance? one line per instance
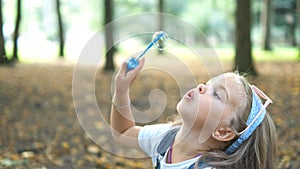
(151, 135)
(154, 131)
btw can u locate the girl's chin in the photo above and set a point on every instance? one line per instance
(178, 106)
(183, 110)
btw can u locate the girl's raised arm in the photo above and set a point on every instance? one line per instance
(123, 125)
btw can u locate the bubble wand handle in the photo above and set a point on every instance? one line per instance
(134, 62)
(150, 45)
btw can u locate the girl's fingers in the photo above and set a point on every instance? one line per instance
(125, 76)
(136, 70)
(123, 69)
(141, 63)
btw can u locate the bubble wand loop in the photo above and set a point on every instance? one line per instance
(159, 38)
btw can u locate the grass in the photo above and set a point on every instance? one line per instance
(48, 53)
(279, 53)
(32, 122)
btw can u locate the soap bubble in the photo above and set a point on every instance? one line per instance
(161, 43)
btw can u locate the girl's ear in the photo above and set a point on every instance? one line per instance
(223, 134)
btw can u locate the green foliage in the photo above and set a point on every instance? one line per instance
(215, 18)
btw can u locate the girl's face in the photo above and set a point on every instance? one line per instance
(211, 103)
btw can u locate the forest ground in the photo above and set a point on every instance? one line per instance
(39, 127)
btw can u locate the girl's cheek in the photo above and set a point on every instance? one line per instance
(204, 104)
(202, 114)
(206, 109)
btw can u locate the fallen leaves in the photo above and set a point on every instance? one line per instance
(39, 128)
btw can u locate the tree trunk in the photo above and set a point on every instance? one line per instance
(161, 20)
(60, 30)
(161, 10)
(298, 12)
(109, 64)
(16, 32)
(243, 55)
(266, 24)
(3, 58)
(293, 39)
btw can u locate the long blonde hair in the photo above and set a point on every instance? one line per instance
(258, 152)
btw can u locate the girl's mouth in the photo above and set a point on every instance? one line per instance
(189, 95)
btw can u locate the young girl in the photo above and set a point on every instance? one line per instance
(223, 124)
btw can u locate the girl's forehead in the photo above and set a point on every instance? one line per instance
(225, 79)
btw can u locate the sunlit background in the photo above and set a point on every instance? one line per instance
(38, 40)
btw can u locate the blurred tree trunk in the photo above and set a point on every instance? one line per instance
(243, 55)
(110, 49)
(60, 30)
(266, 24)
(161, 10)
(293, 39)
(298, 14)
(3, 58)
(161, 19)
(17, 28)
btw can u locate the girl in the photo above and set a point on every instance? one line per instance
(223, 125)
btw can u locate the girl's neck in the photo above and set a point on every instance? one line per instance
(187, 145)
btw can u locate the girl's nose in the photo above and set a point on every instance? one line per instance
(201, 88)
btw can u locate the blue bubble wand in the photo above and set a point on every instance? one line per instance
(159, 38)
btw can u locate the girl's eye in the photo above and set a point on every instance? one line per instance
(216, 95)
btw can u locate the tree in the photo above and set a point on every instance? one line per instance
(298, 12)
(3, 58)
(292, 23)
(161, 10)
(16, 32)
(110, 49)
(243, 55)
(161, 18)
(266, 24)
(60, 30)
(285, 17)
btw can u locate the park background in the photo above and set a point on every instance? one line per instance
(42, 40)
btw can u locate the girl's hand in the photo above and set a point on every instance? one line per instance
(123, 78)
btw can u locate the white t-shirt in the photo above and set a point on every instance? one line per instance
(149, 138)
